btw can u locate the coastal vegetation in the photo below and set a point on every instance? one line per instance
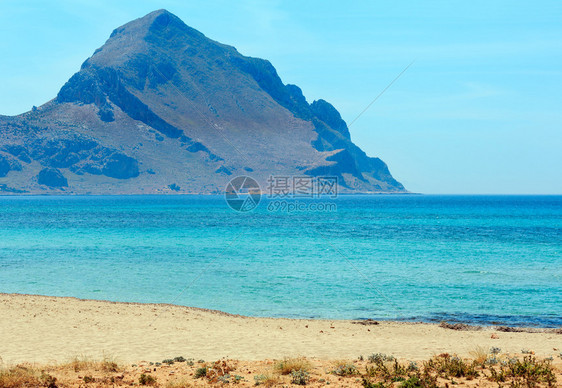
(485, 368)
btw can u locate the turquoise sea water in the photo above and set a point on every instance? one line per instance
(478, 259)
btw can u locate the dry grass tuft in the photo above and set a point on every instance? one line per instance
(267, 379)
(25, 376)
(179, 383)
(479, 354)
(78, 364)
(82, 363)
(147, 380)
(289, 365)
(109, 365)
(345, 368)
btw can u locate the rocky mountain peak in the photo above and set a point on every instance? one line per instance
(160, 105)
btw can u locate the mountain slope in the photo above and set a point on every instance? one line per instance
(161, 108)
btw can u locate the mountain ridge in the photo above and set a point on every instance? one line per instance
(161, 108)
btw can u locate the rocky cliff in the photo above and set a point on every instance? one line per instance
(160, 108)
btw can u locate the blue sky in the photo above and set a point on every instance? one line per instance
(480, 110)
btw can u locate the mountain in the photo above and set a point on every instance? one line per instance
(160, 108)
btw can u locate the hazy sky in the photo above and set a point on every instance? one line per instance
(480, 110)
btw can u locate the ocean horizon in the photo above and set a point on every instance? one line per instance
(477, 259)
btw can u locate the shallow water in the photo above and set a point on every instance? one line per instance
(476, 259)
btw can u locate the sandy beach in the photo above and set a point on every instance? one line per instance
(54, 329)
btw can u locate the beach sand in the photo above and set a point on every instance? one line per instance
(46, 329)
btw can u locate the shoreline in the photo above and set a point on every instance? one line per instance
(2, 294)
(38, 328)
(451, 324)
(64, 194)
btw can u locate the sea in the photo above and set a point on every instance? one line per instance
(485, 260)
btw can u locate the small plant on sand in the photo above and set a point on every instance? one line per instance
(378, 370)
(479, 354)
(377, 358)
(228, 378)
(368, 384)
(392, 371)
(201, 372)
(300, 377)
(528, 372)
(48, 380)
(413, 367)
(108, 365)
(219, 371)
(25, 376)
(289, 365)
(491, 361)
(147, 380)
(168, 361)
(345, 369)
(84, 363)
(416, 382)
(420, 378)
(448, 366)
(79, 364)
(89, 379)
(237, 379)
(224, 379)
(259, 379)
(266, 379)
(179, 383)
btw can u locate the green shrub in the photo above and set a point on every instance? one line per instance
(300, 377)
(225, 379)
(289, 365)
(451, 366)
(89, 379)
(201, 372)
(367, 384)
(49, 381)
(413, 382)
(267, 380)
(345, 370)
(237, 378)
(147, 380)
(378, 358)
